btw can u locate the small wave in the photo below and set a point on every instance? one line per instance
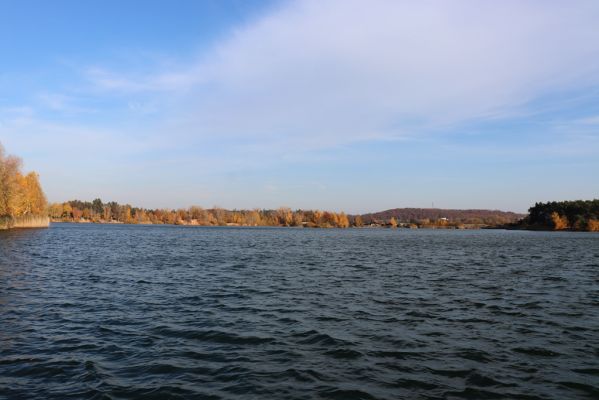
(315, 337)
(300, 375)
(414, 384)
(400, 355)
(587, 371)
(230, 373)
(585, 388)
(47, 369)
(475, 355)
(327, 318)
(451, 373)
(554, 279)
(477, 379)
(419, 314)
(344, 353)
(287, 320)
(159, 393)
(475, 321)
(536, 351)
(160, 368)
(214, 336)
(19, 360)
(475, 394)
(351, 394)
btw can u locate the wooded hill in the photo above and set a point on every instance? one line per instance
(431, 215)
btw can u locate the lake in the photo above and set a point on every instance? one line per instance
(167, 312)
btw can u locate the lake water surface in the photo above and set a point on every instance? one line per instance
(165, 312)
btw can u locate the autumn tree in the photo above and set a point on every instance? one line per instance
(559, 222)
(19, 194)
(196, 213)
(55, 210)
(342, 221)
(358, 221)
(106, 213)
(253, 218)
(298, 218)
(317, 217)
(67, 210)
(284, 216)
(9, 170)
(592, 225)
(77, 213)
(219, 216)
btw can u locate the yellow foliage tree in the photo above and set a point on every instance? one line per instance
(343, 221)
(285, 216)
(559, 222)
(55, 210)
(593, 225)
(358, 221)
(9, 169)
(19, 194)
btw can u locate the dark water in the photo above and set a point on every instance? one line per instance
(183, 313)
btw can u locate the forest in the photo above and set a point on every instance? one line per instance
(98, 211)
(21, 194)
(112, 212)
(577, 215)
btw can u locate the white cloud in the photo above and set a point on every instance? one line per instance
(338, 71)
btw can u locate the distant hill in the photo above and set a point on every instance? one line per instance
(415, 215)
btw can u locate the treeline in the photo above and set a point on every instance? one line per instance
(112, 212)
(98, 211)
(21, 194)
(578, 215)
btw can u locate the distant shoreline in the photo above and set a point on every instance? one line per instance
(233, 225)
(401, 226)
(111, 212)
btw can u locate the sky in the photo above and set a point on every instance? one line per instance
(346, 105)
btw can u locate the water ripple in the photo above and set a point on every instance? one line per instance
(162, 312)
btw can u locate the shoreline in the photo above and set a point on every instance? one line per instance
(25, 222)
(399, 227)
(303, 226)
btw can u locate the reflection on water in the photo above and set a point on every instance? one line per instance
(90, 311)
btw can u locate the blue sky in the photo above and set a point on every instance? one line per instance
(345, 105)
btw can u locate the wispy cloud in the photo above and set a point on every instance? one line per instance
(340, 71)
(178, 80)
